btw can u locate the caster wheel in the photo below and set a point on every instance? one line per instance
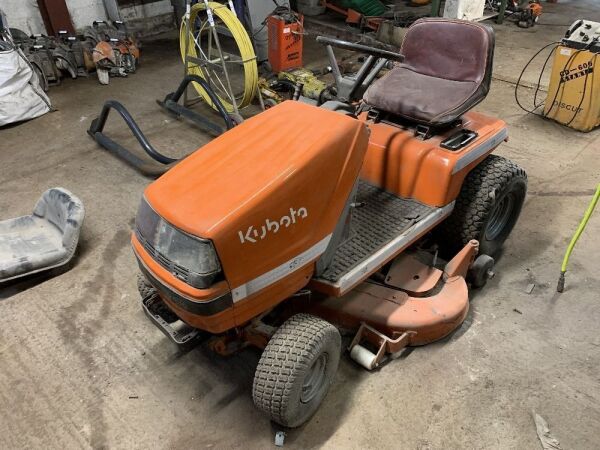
(481, 271)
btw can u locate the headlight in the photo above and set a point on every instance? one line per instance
(188, 257)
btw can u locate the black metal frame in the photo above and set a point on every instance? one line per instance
(350, 89)
(96, 131)
(373, 51)
(170, 103)
(151, 306)
(151, 168)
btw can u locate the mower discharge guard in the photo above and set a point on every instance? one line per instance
(417, 304)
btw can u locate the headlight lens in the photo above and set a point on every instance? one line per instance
(189, 258)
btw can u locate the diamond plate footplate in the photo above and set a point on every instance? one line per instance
(378, 218)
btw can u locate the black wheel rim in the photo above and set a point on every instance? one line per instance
(500, 217)
(314, 379)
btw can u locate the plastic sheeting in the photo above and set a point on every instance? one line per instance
(21, 97)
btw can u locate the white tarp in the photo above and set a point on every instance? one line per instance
(21, 97)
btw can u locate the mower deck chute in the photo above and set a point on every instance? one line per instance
(427, 301)
(423, 305)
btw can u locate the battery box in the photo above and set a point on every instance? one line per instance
(574, 91)
(285, 42)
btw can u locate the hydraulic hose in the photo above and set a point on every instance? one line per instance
(242, 40)
(580, 228)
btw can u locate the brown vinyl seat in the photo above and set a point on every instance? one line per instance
(446, 71)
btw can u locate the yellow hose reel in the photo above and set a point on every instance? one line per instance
(242, 40)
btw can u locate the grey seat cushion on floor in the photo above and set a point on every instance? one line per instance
(44, 240)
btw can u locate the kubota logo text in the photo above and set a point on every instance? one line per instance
(272, 226)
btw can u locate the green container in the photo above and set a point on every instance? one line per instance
(366, 7)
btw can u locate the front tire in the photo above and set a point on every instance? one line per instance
(487, 207)
(296, 369)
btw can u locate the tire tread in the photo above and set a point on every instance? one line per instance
(474, 202)
(285, 358)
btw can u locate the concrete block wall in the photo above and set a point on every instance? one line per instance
(84, 12)
(25, 14)
(146, 10)
(150, 18)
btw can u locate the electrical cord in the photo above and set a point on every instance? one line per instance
(582, 95)
(561, 84)
(539, 82)
(556, 44)
(243, 42)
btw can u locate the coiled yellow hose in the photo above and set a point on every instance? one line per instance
(242, 40)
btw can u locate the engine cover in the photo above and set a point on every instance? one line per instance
(269, 194)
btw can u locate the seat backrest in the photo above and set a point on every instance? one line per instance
(64, 210)
(450, 49)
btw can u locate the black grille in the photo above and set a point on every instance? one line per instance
(180, 272)
(207, 308)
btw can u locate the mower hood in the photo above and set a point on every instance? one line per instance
(267, 190)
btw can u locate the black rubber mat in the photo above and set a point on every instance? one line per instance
(378, 218)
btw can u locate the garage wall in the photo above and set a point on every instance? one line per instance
(146, 10)
(150, 17)
(25, 14)
(84, 12)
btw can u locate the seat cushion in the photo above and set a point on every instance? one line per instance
(447, 70)
(422, 98)
(29, 244)
(450, 49)
(62, 209)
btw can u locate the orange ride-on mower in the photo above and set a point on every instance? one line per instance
(303, 221)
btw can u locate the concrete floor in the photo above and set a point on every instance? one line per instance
(81, 366)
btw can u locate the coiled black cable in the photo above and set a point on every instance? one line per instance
(532, 111)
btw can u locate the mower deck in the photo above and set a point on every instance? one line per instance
(382, 225)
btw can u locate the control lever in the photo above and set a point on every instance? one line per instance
(377, 52)
(351, 88)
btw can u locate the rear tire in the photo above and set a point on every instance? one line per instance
(487, 207)
(296, 369)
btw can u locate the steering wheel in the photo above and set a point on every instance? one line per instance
(373, 51)
(351, 88)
